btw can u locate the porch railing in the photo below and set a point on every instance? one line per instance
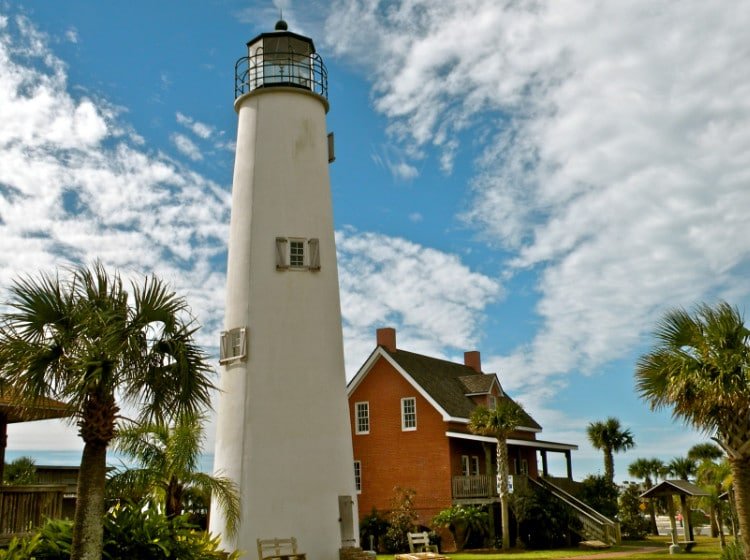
(474, 486)
(23, 508)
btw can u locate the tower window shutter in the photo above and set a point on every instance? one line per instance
(281, 254)
(224, 345)
(314, 246)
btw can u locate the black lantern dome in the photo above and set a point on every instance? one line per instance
(281, 58)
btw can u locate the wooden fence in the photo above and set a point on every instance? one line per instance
(23, 508)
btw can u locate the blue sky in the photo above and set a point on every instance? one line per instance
(536, 180)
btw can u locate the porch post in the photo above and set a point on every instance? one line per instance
(3, 443)
(569, 464)
(545, 470)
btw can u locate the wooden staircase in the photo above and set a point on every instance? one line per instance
(595, 526)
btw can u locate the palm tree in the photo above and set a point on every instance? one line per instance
(683, 468)
(168, 471)
(699, 368)
(499, 422)
(705, 452)
(713, 477)
(88, 342)
(610, 438)
(645, 469)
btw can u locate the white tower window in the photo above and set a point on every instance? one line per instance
(233, 345)
(363, 418)
(297, 253)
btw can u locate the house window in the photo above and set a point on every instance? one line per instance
(474, 465)
(408, 414)
(358, 476)
(233, 345)
(465, 465)
(362, 413)
(524, 466)
(297, 253)
(491, 402)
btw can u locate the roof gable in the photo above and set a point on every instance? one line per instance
(445, 385)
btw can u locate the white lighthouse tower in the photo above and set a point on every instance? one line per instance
(283, 425)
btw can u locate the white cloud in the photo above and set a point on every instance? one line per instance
(202, 130)
(72, 35)
(186, 146)
(615, 157)
(434, 300)
(74, 188)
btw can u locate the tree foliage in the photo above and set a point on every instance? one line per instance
(609, 437)
(699, 368)
(499, 422)
(167, 473)
(20, 471)
(85, 340)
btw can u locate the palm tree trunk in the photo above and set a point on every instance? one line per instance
(490, 508)
(609, 465)
(88, 532)
(741, 475)
(652, 513)
(502, 470)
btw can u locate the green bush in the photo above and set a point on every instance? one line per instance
(542, 521)
(372, 525)
(402, 519)
(633, 524)
(20, 471)
(130, 531)
(20, 549)
(463, 522)
(600, 494)
(733, 551)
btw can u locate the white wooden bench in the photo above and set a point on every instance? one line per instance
(279, 549)
(420, 542)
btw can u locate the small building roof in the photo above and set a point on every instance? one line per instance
(674, 487)
(42, 408)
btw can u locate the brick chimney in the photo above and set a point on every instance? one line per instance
(473, 360)
(386, 338)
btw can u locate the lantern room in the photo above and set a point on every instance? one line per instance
(281, 59)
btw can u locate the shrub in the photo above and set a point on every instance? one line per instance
(463, 522)
(133, 531)
(402, 519)
(372, 525)
(20, 471)
(633, 525)
(733, 551)
(600, 494)
(542, 521)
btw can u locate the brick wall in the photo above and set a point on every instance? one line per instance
(390, 457)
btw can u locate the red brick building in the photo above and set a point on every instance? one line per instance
(409, 416)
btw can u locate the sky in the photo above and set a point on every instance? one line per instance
(542, 179)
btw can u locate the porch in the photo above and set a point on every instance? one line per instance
(23, 508)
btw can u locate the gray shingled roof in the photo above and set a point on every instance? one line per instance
(674, 487)
(446, 382)
(477, 384)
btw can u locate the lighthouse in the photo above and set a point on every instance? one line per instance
(283, 432)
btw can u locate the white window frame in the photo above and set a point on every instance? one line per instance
(358, 476)
(465, 470)
(474, 464)
(233, 345)
(491, 402)
(358, 428)
(310, 253)
(405, 415)
(524, 466)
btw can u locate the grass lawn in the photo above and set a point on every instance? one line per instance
(707, 549)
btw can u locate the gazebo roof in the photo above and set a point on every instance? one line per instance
(674, 487)
(41, 409)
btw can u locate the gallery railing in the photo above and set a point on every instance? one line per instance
(289, 69)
